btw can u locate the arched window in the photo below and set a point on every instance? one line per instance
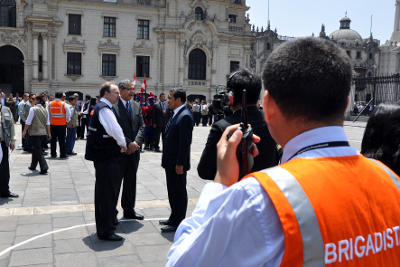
(7, 13)
(198, 13)
(370, 55)
(197, 65)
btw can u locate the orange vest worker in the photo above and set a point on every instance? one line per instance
(57, 113)
(339, 211)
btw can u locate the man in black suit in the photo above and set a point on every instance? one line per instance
(160, 120)
(176, 158)
(129, 117)
(268, 156)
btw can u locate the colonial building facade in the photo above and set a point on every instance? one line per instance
(51, 45)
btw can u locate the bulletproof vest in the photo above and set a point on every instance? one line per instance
(100, 146)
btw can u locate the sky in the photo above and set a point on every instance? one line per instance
(302, 18)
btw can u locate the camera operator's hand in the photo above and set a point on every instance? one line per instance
(227, 163)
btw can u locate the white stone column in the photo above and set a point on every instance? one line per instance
(27, 66)
(35, 36)
(397, 17)
(214, 66)
(181, 69)
(45, 37)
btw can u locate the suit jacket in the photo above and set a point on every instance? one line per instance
(268, 156)
(178, 137)
(133, 126)
(158, 116)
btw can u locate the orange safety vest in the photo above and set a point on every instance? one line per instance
(58, 116)
(338, 211)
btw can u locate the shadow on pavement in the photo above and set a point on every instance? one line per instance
(97, 245)
(5, 200)
(169, 236)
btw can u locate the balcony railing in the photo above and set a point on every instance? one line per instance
(235, 29)
(204, 83)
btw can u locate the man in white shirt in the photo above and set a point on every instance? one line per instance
(105, 143)
(242, 223)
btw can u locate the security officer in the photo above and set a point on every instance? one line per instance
(59, 116)
(105, 143)
(7, 136)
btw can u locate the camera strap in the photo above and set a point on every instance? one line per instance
(321, 145)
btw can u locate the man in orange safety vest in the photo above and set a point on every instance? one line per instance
(59, 116)
(324, 205)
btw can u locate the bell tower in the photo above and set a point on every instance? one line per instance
(396, 29)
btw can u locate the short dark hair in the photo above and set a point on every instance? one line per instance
(245, 79)
(26, 94)
(30, 95)
(105, 87)
(71, 98)
(309, 78)
(88, 97)
(381, 139)
(59, 94)
(41, 101)
(124, 84)
(161, 94)
(97, 96)
(179, 93)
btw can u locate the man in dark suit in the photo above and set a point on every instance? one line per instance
(160, 120)
(129, 117)
(268, 156)
(176, 158)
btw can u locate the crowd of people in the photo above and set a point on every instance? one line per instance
(309, 199)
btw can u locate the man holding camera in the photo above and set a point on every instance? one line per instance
(318, 207)
(268, 157)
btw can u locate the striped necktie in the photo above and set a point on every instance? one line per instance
(128, 109)
(166, 127)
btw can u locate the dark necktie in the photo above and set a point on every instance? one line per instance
(128, 109)
(166, 127)
(113, 110)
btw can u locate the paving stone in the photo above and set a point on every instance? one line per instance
(71, 246)
(8, 224)
(155, 264)
(31, 256)
(138, 227)
(42, 242)
(75, 260)
(64, 222)
(153, 253)
(121, 261)
(3, 263)
(34, 219)
(7, 237)
(34, 229)
(147, 239)
(80, 232)
(105, 249)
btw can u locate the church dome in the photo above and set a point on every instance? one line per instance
(345, 34)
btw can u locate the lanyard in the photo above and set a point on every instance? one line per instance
(321, 145)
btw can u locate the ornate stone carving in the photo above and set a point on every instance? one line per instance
(74, 45)
(109, 46)
(45, 35)
(35, 35)
(143, 48)
(10, 36)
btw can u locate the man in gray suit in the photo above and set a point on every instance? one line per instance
(161, 114)
(129, 116)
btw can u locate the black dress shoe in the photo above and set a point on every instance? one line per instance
(43, 172)
(169, 228)
(32, 169)
(63, 156)
(53, 156)
(133, 215)
(164, 222)
(45, 153)
(115, 221)
(8, 194)
(110, 237)
(72, 154)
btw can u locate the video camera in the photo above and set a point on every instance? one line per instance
(223, 99)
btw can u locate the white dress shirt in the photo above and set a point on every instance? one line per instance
(109, 121)
(31, 115)
(239, 225)
(86, 112)
(67, 111)
(177, 110)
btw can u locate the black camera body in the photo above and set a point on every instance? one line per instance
(224, 99)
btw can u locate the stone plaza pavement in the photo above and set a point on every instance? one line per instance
(62, 201)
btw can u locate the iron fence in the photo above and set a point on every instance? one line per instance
(381, 89)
